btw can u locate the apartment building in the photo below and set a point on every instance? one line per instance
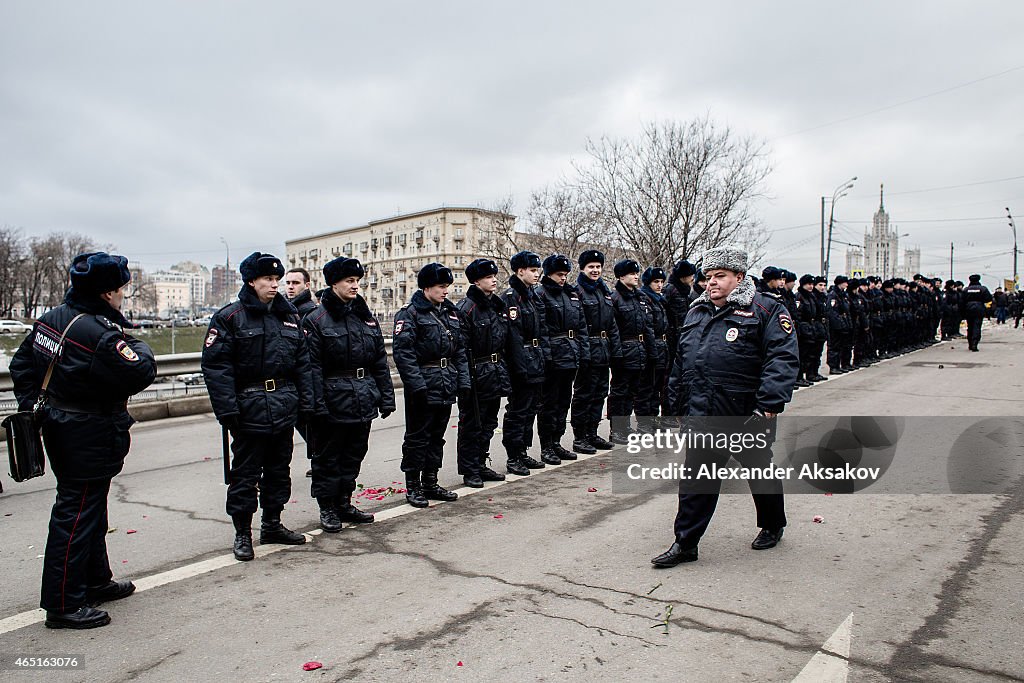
(392, 250)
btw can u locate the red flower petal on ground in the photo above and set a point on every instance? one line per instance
(499, 516)
(131, 531)
(311, 666)
(828, 494)
(458, 664)
(124, 561)
(591, 490)
(206, 457)
(380, 497)
(818, 519)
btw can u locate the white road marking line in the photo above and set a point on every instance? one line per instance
(832, 662)
(36, 616)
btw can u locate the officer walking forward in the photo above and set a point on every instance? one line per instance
(85, 429)
(485, 335)
(430, 357)
(351, 385)
(256, 367)
(972, 304)
(590, 388)
(737, 357)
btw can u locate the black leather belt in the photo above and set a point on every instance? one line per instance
(493, 358)
(267, 385)
(532, 344)
(442, 363)
(358, 373)
(603, 335)
(663, 337)
(638, 338)
(571, 334)
(89, 408)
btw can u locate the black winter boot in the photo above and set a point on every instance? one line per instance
(329, 520)
(434, 491)
(547, 454)
(581, 440)
(242, 547)
(414, 490)
(347, 512)
(563, 453)
(272, 531)
(597, 441)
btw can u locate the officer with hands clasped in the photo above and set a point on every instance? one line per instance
(351, 385)
(429, 354)
(485, 335)
(85, 428)
(256, 366)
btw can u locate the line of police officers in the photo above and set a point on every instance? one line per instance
(556, 350)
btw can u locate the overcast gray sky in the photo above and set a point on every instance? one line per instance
(160, 126)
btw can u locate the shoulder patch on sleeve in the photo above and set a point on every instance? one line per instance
(399, 326)
(786, 323)
(211, 337)
(513, 312)
(126, 351)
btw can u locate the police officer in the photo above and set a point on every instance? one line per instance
(860, 316)
(429, 354)
(351, 386)
(840, 327)
(972, 304)
(652, 382)
(807, 332)
(677, 300)
(296, 288)
(484, 322)
(566, 330)
(297, 291)
(527, 357)
(256, 366)
(85, 428)
(636, 336)
(738, 357)
(590, 388)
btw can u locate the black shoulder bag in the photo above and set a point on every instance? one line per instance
(24, 442)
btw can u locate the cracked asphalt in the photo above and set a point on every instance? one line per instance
(560, 587)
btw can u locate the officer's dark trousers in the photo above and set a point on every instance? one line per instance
(839, 347)
(339, 449)
(808, 364)
(814, 361)
(520, 411)
(974, 330)
(649, 397)
(475, 432)
(862, 346)
(698, 498)
(425, 425)
(622, 398)
(554, 405)
(949, 326)
(590, 389)
(76, 548)
(260, 462)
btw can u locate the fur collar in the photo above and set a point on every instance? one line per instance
(591, 285)
(741, 297)
(421, 303)
(651, 293)
(279, 305)
(483, 301)
(625, 291)
(96, 306)
(339, 309)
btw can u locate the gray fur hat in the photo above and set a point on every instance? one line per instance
(727, 257)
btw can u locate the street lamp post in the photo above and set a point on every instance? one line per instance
(1013, 226)
(826, 247)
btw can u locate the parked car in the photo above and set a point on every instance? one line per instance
(13, 327)
(190, 378)
(202, 322)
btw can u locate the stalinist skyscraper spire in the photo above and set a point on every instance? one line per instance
(881, 197)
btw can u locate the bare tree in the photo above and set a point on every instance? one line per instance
(675, 190)
(12, 253)
(141, 297)
(498, 239)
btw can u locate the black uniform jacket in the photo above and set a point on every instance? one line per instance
(528, 345)
(86, 421)
(807, 315)
(677, 303)
(636, 327)
(600, 314)
(428, 350)
(973, 299)
(734, 360)
(348, 362)
(837, 307)
(304, 303)
(660, 324)
(256, 364)
(564, 325)
(485, 334)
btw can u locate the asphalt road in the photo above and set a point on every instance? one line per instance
(543, 579)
